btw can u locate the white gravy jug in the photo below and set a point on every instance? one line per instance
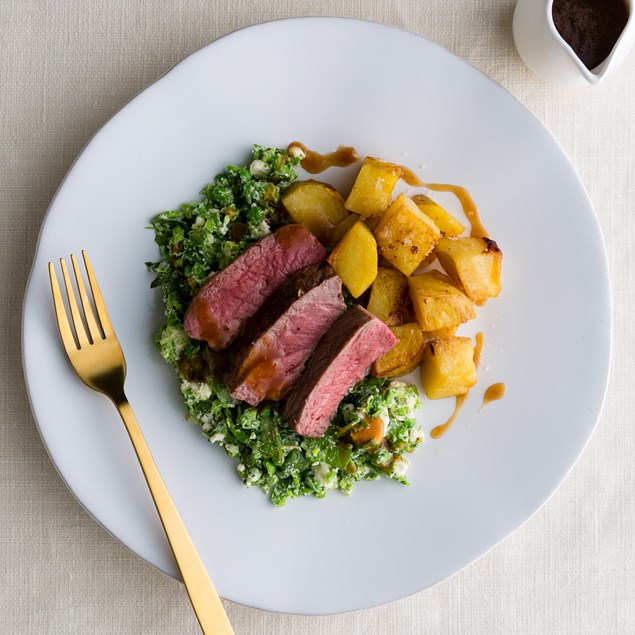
(546, 53)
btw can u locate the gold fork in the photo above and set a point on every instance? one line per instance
(95, 353)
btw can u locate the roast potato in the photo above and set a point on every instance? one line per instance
(372, 190)
(447, 367)
(388, 296)
(405, 235)
(316, 205)
(405, 355)
(473, 263)
(437, 302)
(354, 258)
(447, 224)
(336, 233)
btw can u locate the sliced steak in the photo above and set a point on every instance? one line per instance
(343, 357)
(220, 309)
(279, 339)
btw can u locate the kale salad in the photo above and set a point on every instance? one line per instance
(199, 239)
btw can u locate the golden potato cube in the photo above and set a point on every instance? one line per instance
(437, 302)
(405, 355)
(474, 263)
(315, 204)
(405, 235)
(354, 258)
(336, 233)
(388, 295)
(372, 191)
(447, 367)
(448, 225)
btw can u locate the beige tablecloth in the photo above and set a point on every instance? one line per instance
(65, 68)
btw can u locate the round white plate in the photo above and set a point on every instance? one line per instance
(391, 94)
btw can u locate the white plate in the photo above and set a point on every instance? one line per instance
(391, 94)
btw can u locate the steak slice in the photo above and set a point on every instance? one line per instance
(343, 357)
(221, 307)
(279, 339)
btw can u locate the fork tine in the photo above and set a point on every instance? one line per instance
(93, 329)
(80, 330)
(60, 312)
(100, 305)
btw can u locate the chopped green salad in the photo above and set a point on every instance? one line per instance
(201, 238)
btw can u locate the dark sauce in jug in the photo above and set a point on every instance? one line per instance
(590, 27)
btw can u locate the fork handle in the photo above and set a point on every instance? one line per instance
(203, 596)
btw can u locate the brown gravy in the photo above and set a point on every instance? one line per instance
(478, 349)
(493, 393)
(440, 430)
(314, 162)
(410, 177)
(590, 27)
(265, 377)
(470, 208)
(287, 236)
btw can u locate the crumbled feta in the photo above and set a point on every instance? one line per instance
(217, 438)
(199, 390)
(260, 230)
(172, 343)
(325, 475)
(383, 457)
(411, 401)
(259, 168)
(416, 435)
(296, 152)
(400, 466)
(206, 420)
(232, 449)
(223, 228)
(384, 415)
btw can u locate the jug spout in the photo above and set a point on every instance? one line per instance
(573, 42)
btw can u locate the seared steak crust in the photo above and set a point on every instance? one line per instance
(343, 357)
(281, 336)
